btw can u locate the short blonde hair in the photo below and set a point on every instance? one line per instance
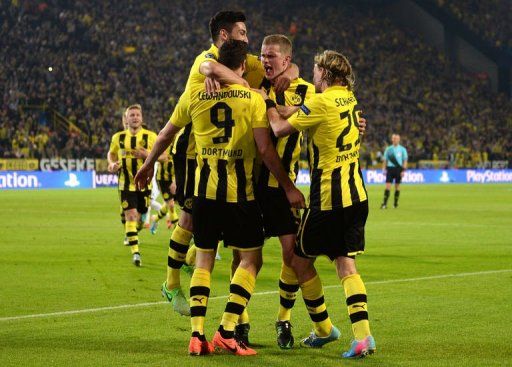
(135, 106)
(337, 68)
(284, 43)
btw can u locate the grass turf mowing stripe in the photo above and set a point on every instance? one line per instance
(148, 304)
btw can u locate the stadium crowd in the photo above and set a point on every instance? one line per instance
(491, 19)
(88, 60)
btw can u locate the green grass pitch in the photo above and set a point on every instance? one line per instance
(438, 272)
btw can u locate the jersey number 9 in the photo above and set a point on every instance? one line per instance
(227, 123)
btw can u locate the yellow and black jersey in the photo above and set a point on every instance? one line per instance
(287, 147)
(223, 126)
(184, 141)
(331, 119)
(165, 171)
(124, 144)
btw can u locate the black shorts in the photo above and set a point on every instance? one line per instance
(139, 200)
(279, 218)
(394, 173)
(333, 233)
(165, 189)
(239, 224)
(184, 171)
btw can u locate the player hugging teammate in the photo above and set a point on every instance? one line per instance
(229, 132)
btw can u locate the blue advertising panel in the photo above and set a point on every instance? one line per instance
(432, 176)
(106, 179)
(21, 180)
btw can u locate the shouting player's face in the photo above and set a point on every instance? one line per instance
(134, 118)
(239, 32)
(274, 61)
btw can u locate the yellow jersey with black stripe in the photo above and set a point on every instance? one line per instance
(165, 170)
(223, 126)
(184, 141)
(124, 144)
(331, 119)
(288, 147)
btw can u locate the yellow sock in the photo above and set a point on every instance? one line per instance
(190, 259)
(130, 228)
(162, 212)
(199, 293)
(288, 288)
(244, 317)
(355, 292)
(173, 214)
(313, 294)
(240, 291)
(178, 246)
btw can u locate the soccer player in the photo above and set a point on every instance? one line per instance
(224, 26)
(165, 182)
(394, 166)
(333, 225)
(227, 125)
(128, 150)
(280, 219)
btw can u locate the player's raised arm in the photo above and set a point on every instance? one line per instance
(271, 159)
(221, 73)
(164, 139)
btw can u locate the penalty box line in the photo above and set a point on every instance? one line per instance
(149, 304)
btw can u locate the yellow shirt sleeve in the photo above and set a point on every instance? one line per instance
(259, 111)
(253, 63)
(196, 78)
(181, 116)
(310, 114)
(114, 146)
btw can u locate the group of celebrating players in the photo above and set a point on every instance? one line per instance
(236, 136)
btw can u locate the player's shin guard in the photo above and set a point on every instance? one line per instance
(240, 291)
(386, 197)
(162, 212)
(397, 195)
(288, 288)
(130, 228)
(199, 293)
(178, 246)
(313, 294)
(355, 292)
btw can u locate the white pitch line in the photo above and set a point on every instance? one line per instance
(149, 304)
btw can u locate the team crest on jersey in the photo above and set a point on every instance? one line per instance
(124, 204)
(296, 100)
(188, 203)
(143, 144)
(166, 196)
(209, 55)
(304, 109)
